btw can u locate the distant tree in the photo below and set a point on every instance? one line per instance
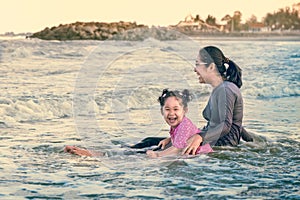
(283, 19)
(233, 22)
(252, 19)
(211, 20)
(228, 19)
(198, 19)
(237, 18)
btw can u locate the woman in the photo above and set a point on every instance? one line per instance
(224, 110)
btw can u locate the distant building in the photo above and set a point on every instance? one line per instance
(258, 27)
(193, 24)
(189, 22)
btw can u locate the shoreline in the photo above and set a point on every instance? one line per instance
(249, 38)
(252, 36)
(272, 36)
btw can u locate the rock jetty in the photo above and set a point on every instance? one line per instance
(105, 31)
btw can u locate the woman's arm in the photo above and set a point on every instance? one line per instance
(221, 115)
(193, 143)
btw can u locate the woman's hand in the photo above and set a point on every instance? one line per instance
(152, 154)
(164, 142)
(193, 144)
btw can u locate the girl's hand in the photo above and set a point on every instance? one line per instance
(164, 142)
(152, 154)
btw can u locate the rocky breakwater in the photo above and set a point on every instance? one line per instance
(105, 31)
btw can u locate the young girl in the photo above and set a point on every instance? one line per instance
(173, 108)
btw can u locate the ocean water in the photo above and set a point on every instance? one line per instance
(101, 95)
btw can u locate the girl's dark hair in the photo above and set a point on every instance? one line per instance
(184, 96)
(227, 68)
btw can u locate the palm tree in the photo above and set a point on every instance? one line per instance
(211, 20)
(228, 19)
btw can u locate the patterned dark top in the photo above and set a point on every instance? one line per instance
(224, 113)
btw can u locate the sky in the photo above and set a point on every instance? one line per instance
(21, 16)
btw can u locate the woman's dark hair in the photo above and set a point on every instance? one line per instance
(227, 68)
(184, 96)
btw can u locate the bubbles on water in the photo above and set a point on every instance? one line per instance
(21, 52)
(33, 109)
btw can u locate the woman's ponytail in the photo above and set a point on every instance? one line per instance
(234, 74)
(226, 67)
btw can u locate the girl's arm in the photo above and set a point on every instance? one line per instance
(163, 143)
(167, 152)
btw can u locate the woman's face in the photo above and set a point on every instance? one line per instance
(173, 111)
(201, 70)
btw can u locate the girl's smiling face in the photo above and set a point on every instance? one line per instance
(173, 111)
